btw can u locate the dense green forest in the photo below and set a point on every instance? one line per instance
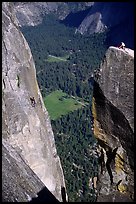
(75, 143)
(65, 61)
(74, 75)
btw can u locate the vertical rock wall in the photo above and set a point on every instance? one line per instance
(113, 111)
(26, 128)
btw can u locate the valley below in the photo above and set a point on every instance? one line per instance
(66, 83)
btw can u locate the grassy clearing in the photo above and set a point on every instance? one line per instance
(59, 103)
(52, 58)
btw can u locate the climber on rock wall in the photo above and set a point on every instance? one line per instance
(33, 103)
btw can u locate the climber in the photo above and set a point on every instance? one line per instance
(32, 101)
(122, 46)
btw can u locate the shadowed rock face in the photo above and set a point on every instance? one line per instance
(15, 171)
(25, 128)
(113, 110)
(20, 182)
(116, 16)
(117, 81)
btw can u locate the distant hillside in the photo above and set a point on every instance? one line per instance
(88, 18)
(32, 13)
(118, 17)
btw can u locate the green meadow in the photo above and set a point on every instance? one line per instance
(59, 103)
(52, 58)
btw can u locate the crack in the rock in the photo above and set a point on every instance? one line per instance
(6, 57)
(7, 63)
(101, 160)
(4, 84)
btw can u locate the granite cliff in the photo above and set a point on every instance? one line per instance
(113, 111)
(32, 13)
(29, 156)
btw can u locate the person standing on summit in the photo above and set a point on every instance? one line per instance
(122, 46)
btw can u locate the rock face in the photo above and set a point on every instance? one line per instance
(32, 13)
(26, 129)
(118, 17)
(20, 182)
(118, 68)
(113, 111)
